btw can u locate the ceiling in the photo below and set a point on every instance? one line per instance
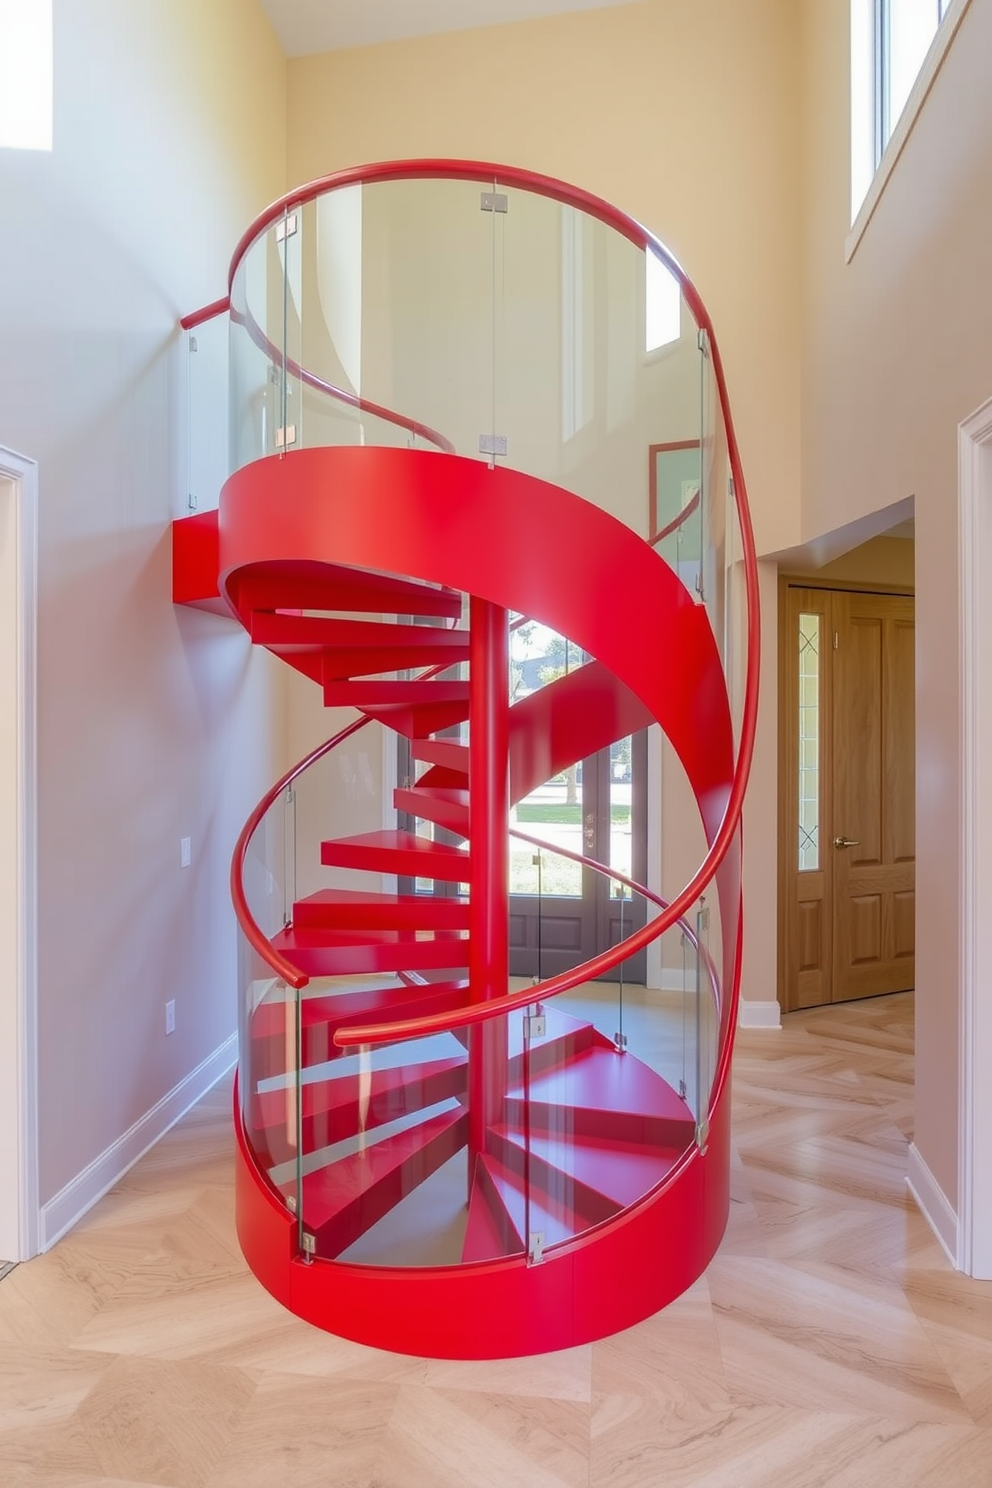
(307, 26)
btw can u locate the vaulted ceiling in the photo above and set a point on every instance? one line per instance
(307, 26)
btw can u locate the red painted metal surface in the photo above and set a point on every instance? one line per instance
(630, 1207)
(609, 1278)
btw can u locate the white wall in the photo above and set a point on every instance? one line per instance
(895, 354)
(153, 723)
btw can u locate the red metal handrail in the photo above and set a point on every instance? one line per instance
(253, 932)
(629, 883)
(676, 522)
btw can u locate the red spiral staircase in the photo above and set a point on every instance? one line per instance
(382, 1047)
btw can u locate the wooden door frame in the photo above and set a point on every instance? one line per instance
(19, 1208)
(786, 845)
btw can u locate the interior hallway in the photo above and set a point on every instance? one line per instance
(830, 1342)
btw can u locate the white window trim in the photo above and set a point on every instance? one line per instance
(932, 64)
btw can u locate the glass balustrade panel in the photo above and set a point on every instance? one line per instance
(603, 1113)
(266, 1057)
(256, 351)
(384, 1160)
(597, 367)
(207, 385)
(714, 490)
(396, 340)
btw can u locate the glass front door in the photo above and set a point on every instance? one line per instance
(562, 913)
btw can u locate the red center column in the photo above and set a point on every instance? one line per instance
(489, 798)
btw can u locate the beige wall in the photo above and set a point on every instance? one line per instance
(684, 116)
(153, 723)
(646, 105)
(895, 354)
(882, 560)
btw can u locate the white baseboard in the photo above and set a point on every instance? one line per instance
(932, 1203)
(82, 1192)
(752, 1014)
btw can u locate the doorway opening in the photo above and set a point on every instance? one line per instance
(846, 791)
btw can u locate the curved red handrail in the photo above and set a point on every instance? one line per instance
(253, 932)
(340, 395)
(676, 522)
(629, 883)
(629, 228)
(250, 928)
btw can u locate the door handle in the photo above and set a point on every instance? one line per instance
(847, 842)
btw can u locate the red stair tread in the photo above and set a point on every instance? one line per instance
(340, 1107)
(483, 1239)
(445, 752)
(601, 1093)
(275, 627)
(601, 1080)
(320, 1017)
(308, 584)
(323, 952)
(564, 1037)
(528, 1210)
(621, 1172)
(398, 852)
(352, 909)
(343, 1200)
(447, 806)
(379, 693)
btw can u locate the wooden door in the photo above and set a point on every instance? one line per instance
(847, 796)
(873, 818)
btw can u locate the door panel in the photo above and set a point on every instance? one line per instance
(847, 797)
(873, 786)
(807, 934)
(578, 912)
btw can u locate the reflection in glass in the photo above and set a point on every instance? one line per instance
(809, 742)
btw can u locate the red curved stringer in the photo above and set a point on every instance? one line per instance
(630, 1193)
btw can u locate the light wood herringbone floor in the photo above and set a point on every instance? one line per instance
(830, 1343)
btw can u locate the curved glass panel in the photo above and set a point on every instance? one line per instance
(486, 320)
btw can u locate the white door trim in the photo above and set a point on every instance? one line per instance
(974, 1249)
(19, 1228)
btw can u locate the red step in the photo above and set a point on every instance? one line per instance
(439, 775)
(412, 708)
(564, 1037)
(489, 1232)
(305, 584)
(397, 852)
(595, 1177)
(603, 1094)
(344, 1105)
(321, 952)
(358, 648)
(390, 694)
(443, 805)
(273, 1036)
(447, 753)
(358, 909)
(343, 1200)
(527, 1211)
(579, 1205)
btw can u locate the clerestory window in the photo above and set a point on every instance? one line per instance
(26, 74)
(890, 42)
